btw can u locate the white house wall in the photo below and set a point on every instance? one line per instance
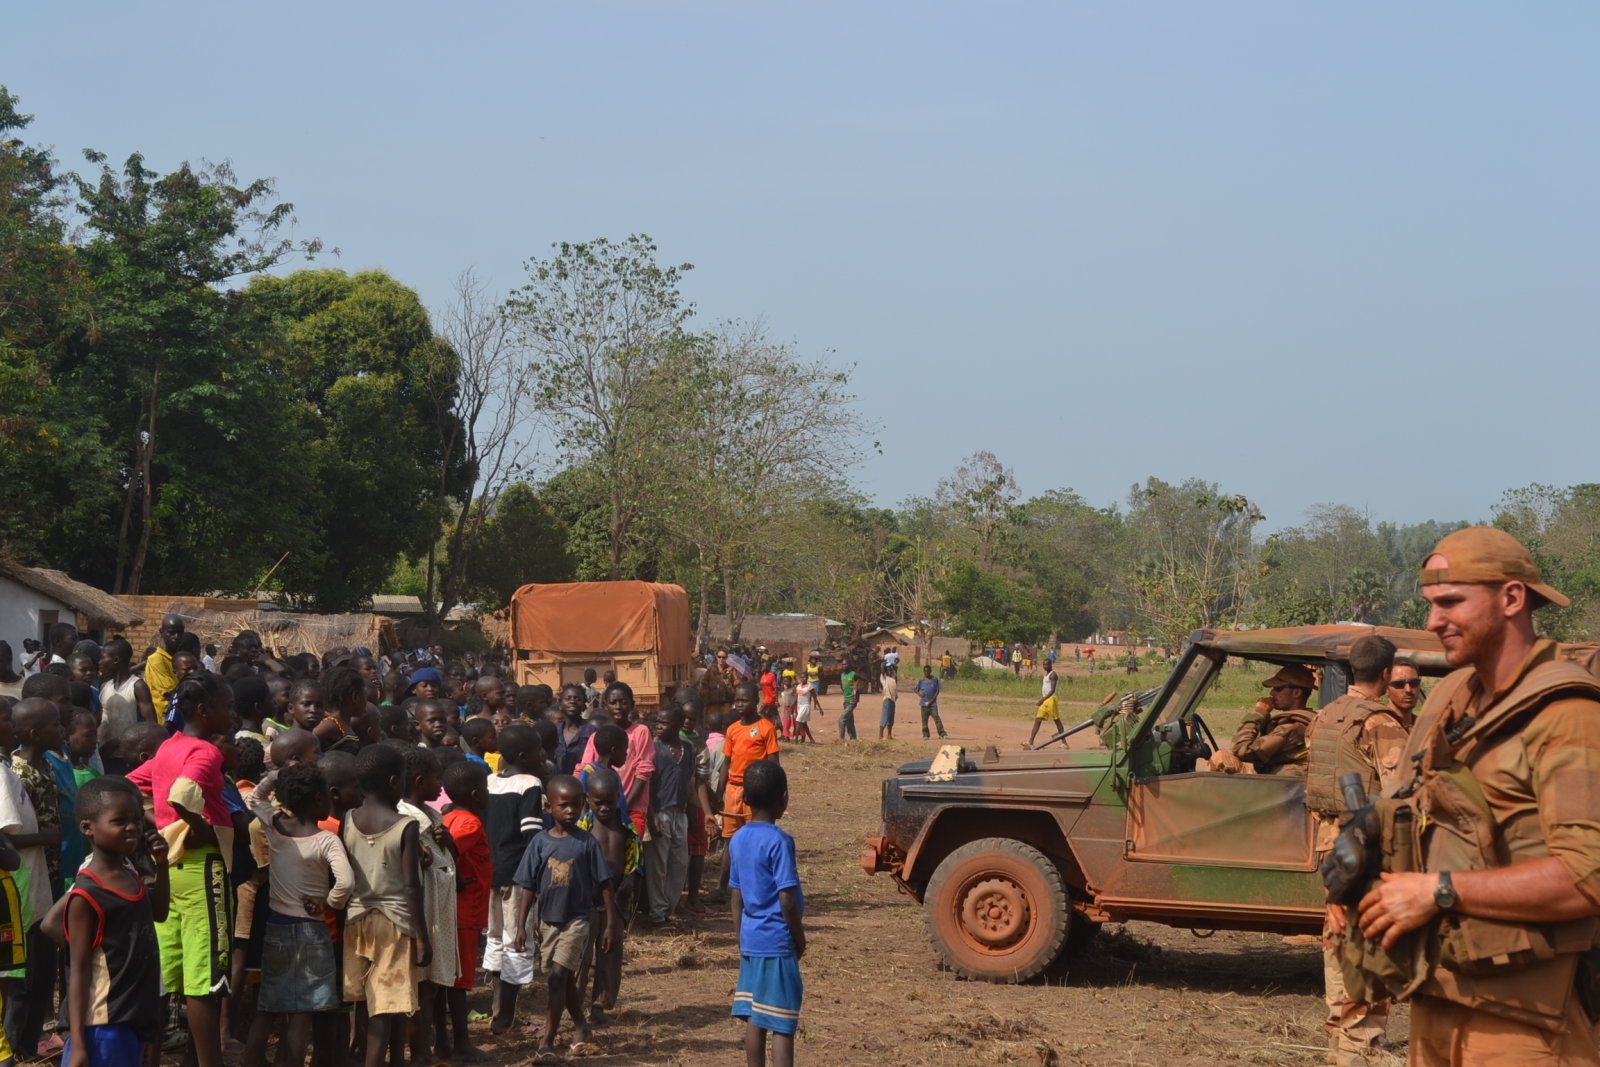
(19, 613)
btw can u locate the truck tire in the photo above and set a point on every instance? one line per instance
(997, 910)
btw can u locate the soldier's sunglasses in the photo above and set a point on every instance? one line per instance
(1406, 683)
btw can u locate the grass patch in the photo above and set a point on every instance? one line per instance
(1238, 685)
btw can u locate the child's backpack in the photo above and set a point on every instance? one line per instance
(13, 936)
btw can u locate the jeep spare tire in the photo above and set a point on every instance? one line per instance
(997, 910)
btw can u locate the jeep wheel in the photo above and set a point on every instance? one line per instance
(997, 910)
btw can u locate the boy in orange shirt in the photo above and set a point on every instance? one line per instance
(749, 739)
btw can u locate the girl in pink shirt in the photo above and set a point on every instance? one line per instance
(640, 765)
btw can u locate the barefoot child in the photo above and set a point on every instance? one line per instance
(768, 907)
(438, 894)
(297, 965)
(386, 940)
(623, 852)
(114, 980)
(749, 738)
(788, 701)
(671, 800)
(562, 868)
(467, 785)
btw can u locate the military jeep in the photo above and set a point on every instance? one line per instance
(1018, 857)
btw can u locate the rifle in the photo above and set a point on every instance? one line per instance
(1356, 856)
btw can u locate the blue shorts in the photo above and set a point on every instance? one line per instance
(109, 1046)
(298, 968)
(887, 718)
(769, 992)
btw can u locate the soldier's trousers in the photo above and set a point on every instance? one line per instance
(1446, 1034)
(1353, 1027)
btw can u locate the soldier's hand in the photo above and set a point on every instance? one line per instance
(1397, 905)
(1226, 762)
(1336, 920)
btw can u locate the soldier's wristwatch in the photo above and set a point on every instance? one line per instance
(1444, 894)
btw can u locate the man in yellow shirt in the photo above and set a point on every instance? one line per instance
(158, 675)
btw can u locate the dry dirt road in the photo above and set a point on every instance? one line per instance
(1146, 994)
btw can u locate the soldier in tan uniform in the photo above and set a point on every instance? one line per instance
(1489, 931)
(1272, 735)
(1405, 691)
(1354, 734)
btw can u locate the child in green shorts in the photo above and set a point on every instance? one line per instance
(184, 780)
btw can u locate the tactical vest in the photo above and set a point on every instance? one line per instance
(1521, 971)
(1335, 747)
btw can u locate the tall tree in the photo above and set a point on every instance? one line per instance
(478, 387)
(748, 452)
(979, 496)
(54, 461)
(1191, 555)
(1069, 549)
(358, 356)
(1561, 528)
(160, 347)
(523, 541)
(601, 319)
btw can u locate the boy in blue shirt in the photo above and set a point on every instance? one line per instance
(768, 906)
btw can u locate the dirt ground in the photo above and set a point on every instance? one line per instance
(1146, 994)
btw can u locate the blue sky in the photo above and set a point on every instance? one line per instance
(1314, 253)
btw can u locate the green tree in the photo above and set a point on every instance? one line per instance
(601, 320)
(748, 457)
(1070, 550)
(985, 605)
(1561, 528)
(979, 498)
(54, 459)
(1191, 556)
(163, 360)
(523, 541)
(1331, 567)
(361, 372)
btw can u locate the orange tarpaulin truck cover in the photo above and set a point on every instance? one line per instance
(593, 617)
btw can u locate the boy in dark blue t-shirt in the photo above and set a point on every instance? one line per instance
(768, 906)
(563, 867)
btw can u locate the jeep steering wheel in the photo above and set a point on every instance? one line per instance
(1196, 727)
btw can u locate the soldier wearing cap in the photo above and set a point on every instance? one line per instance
(1488, 932)
(1355, 734)
(1272, 735)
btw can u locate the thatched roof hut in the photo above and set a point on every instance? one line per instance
(36, 590)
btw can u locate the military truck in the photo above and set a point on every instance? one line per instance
(1018, 857)
(639, 630)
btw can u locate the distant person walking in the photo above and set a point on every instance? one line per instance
(928, 688)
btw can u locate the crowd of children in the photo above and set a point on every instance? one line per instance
(325, 852)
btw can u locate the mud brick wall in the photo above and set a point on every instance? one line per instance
(142, 635)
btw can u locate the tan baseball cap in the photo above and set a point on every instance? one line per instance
(1481, 555)
(1299, 677)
